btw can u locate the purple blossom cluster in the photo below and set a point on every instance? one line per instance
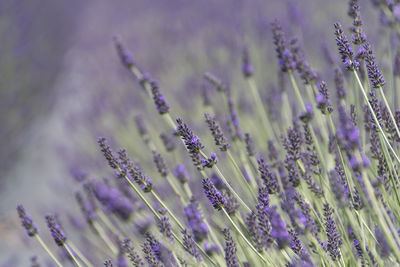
(316, 185)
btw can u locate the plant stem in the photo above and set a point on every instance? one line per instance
(71, 253)
(374, 117)
(47, 250)
(242, 235)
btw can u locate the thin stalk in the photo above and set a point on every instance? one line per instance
(391, 85)
(158, 217)
(80, 255)
(245, 239)
(393, 239)
(175, 189)
(44, 246)
(230, 188)
(157, 197)
(260, 108)
(300, 99)
(374, 117)
(71, 253)
(390, 111)
(97, 227)
(241, 174)
(393, 172)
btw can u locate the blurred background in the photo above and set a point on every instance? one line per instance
(62, 84)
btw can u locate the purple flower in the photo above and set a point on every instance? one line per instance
(347, 133)
(160, 164)
(112, 199)
(358, 37)
(249, 145)
(209, 162)
(339, 84)
(278, 226)
(302, 66)
(293, 174)
(196, 221)
(140, 125)
(323, 100)
(285, 56)
(124, 54)
(133, 256)
(268, 177)
(230, 250)
(107, 152)
(192, 142)
(159, 100)
(141, 179)
(165, 227)
(247, 67)
(86, 207)
(216, 132)
(334, 240)
(152, 251)
(56, 231)
(292, 143)
(345, 49)
(190, 245)
(374, 73)
(181, 174)
(235, 120)
(383, 247)
(231, 204)
(26, 221)
(168, 142)
(213, 194)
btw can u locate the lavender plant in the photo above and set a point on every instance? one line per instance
(315, 186)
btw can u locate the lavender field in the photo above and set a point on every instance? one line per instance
(209, 133)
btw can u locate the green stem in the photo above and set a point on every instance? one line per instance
(244, 238)
(390, 112)
(157, 197)
(158, 217)
(241, 174)
(260, 108)
(97, 227)
(80, 255)
(71, 253)
(374, 116)
(44, 246)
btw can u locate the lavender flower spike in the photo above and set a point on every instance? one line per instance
(141, 179)
(285, 56)
(230, 249)
(374, 73)
(132, 254)
(124, 54)
(334, 240)
(192, 142)
(269, 178)
(345, 49)
(216, 132)
(196, 221)
(190, 245)
(107, 152)
(247, 67)
(161, 105)
(56, 231)
(213, 194)
(26, 221)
